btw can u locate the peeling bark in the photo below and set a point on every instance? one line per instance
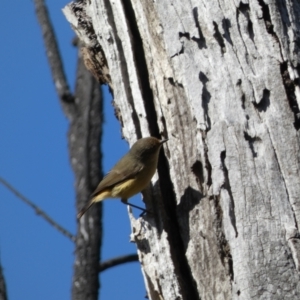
(220, 79)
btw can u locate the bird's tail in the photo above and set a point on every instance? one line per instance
(95, 198)
(85, 208)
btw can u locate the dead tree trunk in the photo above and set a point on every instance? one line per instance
(220, 79)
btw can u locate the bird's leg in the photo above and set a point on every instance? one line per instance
(135, 206)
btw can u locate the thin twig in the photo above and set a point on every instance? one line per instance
(117, 261)
(52, 51)
(37, 210)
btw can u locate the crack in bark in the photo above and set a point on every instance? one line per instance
(283, 179)
(226, 25)
(174, 83)
(243, 97)
(207, 164)
(297, 80)
(123, 67)
(251, 140)
(184, 34)
(180, 52)
(267, 17)
(208, 168)
(264, 103)
(289, 86)
(201, 42)
(141, 68)
(206, 96)
(243, 100)
(186, 280)
(227, 186)
(268, 23)
(197, 169)
(217, 35)
(224, 247)
(244, 8)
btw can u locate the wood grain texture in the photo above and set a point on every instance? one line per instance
(220, 79)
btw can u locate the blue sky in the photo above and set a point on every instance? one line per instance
(37, 260)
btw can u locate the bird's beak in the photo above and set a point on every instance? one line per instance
(163, 141)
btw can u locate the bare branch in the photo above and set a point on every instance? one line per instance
(52, 51)
(117, 261)
(37, 210)
(3, 294)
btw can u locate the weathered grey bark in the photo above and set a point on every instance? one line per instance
(220, 79)
(84, 142)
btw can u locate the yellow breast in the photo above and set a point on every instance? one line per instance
(135, 185)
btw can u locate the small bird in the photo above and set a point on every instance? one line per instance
(130, 175)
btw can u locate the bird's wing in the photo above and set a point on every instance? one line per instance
(114, 177)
